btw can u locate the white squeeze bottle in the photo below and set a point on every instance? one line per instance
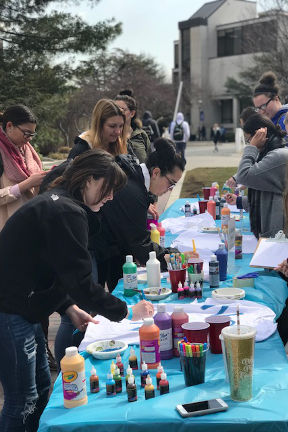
(73, 378)
(153, 270)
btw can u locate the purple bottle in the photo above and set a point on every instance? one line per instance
(164, 321)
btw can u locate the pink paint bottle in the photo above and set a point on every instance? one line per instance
(179, 317)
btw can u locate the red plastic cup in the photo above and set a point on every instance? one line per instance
(196, 331)
(202, 206)
(206, 192)
(177, 276)
(217, 323)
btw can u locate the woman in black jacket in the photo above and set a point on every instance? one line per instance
(46, 267)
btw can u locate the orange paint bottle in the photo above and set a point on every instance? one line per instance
(150, 343)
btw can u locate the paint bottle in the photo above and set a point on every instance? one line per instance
(198, 290)
(222, 258)
(238, 244)
(222, 202)
(155, 234)
(119, 364)
(225, 217)
(144, 374)
(110, 385)
(118, 380)
(149, 388)
(150, 343)
(163, 321)
(94, 381)
(195, 211)
(213, 272)
(153, 271)
(161, 230)
(129, 372)
(160, 370)
(192, 290)
(180, 291)
(186, 290)
(164, 384)
(130, 277)
(179, 317)
(112, 367)
(131, 389)
(133, 362)
(187, 209)
(211, 207)
(73, 378)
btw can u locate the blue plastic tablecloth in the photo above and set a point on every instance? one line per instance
(266, 411)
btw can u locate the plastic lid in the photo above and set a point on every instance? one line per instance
(221, 245)
(152, 255)
(144, 366)
(129, 258)
(231, 332)
(178, 309)
(148, 380)
(213, 257)
(160, 368)
(153, 226)
(109, 376)
(129, 371)
(161, 307)
(131, 379)
(163, 376)
(211, 198)
(118, 358)
(93, 371)
(148, 321)
(180, 285)
(71, 351)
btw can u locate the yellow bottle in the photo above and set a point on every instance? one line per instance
(73, 378)
(155, 234)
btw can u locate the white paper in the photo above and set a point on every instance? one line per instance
(270, 253)
(182, 223)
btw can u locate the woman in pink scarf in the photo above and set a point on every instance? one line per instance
(20, 166)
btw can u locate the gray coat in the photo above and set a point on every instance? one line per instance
(269, 177)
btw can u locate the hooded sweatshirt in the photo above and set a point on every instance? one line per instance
(186, 128)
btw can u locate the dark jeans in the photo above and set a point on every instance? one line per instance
(24, 374)
(180, 148)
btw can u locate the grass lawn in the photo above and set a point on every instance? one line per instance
(199, 177)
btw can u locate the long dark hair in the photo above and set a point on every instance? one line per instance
(17, 114)
(132, 105)
(96, 163)
(164, 157)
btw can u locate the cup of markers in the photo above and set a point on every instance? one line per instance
(177, 270)
(193, 362)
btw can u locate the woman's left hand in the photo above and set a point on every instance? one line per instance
(283, 268)
(79, 317)
(259, 139)
(153, 211)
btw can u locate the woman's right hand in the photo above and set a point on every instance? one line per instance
(231, 182)
(142, 309)
(32, 181)
(283, 268)
(231, 198)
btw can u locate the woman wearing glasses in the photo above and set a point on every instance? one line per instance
(20, 166)
(124, 222)
(266, 99)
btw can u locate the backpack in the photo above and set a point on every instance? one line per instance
(178, 133)
(149, 131)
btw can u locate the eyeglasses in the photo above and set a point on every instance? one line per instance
(27, 134)
(263, 106)
(172, 183)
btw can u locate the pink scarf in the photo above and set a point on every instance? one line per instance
(14, 166)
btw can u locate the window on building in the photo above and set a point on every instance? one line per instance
(185, 50)
(176, 56)
(226, 111)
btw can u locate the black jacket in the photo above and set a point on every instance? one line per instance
(45, 263)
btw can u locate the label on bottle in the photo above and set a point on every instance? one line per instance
(118, 385)
(162, 241)
(213, 274)
(225, 219)
(149, 394)
(178, 335)
(166, 339)
(74, 385)
(238, 247)
(133, 363)
(187, 210)
(110, 389)
(130, 280)
(164, 388)
(131, 393)
(150, 352)
(94, 386)
(143, 378)
(218, 210)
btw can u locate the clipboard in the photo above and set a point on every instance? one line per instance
(270, 252)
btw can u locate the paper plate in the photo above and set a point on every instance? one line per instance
(106, 349)
(152, 293)
(210, 230)
(228, 293)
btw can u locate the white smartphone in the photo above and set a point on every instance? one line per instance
(201, 408)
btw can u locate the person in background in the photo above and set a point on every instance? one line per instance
(124, 222)
(216, 134)
(136, 136)
(180, 134)
(263, 170)
(150, 126)
(47, 238)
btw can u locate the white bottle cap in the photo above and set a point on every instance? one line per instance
(118, 358)
(180, 285)
(129, 258)
(163, 376)
(131, 379)
(144, 366)
(160, 368)
(148, 380)
(221, 245)
(117, 371)
(237, 231)
(129, 371)
(211, 198)
(198, 285)
(161, 307)
(153, 226)
(187, 202)
(225, 205)
(93, 371)
(71, 351)
(132, 351)
(109, 376)
(213, 257)
(178, 309)
(152, 255)
(148, 321)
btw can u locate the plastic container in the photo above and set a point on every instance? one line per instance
(94, 381)
(222, 258)
(149, 388)
(211, 207)
(164, 384)
(110, 385)
(214, 272)
(187, 209)
(153, 271)
(155, 234)
(238, 244)
(73, 378)
(144, 374)
(131, 389)
(149, 335)
(133, 362)
(160, 370)
(179, 317)
(161, 230)
(119, 364)
(163, 320)
(225, 217)
(130, 277)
